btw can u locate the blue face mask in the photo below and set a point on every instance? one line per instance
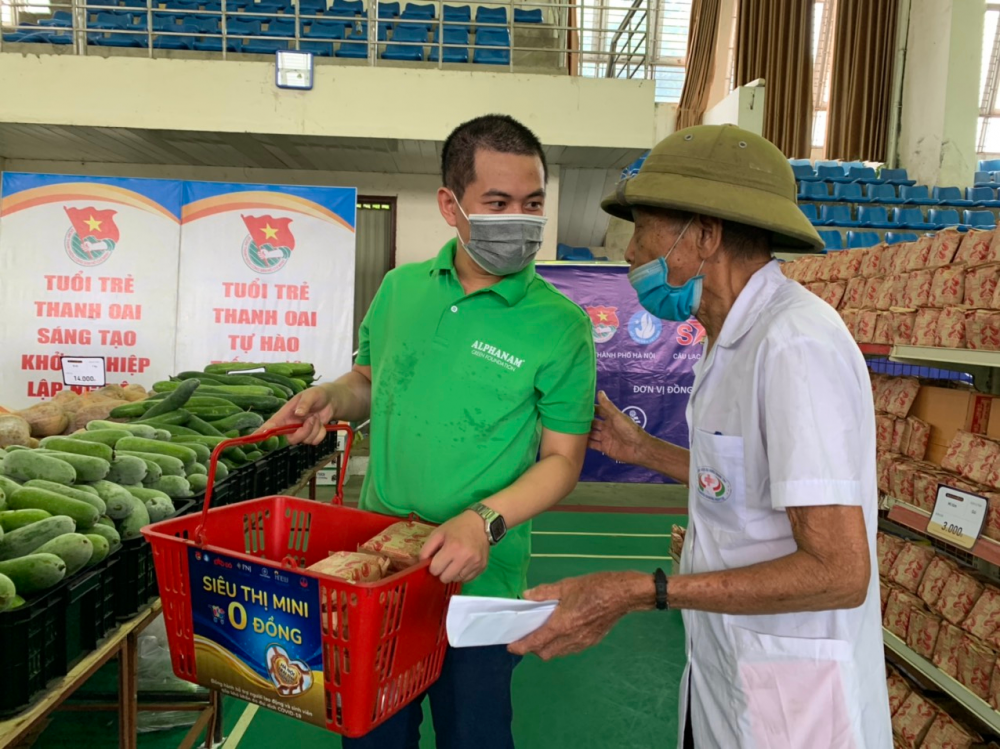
(658, 297)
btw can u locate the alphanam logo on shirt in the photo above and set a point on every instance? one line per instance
(497, 356)
(712, 486)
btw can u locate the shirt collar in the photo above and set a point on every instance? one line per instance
(511, 288)
(755, 296)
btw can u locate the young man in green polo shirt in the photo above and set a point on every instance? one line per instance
(479, 380)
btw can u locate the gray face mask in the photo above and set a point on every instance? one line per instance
(503, 243)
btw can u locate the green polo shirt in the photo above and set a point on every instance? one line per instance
(462, 385)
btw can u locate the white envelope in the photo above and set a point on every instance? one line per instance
(475, 621)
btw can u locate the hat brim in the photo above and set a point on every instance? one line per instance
(791, 231)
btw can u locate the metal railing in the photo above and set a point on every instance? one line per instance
(505, 34)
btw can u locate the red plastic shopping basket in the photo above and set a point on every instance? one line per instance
(243, 615)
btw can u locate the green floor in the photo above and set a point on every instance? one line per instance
(620, 694)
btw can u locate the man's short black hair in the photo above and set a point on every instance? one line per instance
(491, 132)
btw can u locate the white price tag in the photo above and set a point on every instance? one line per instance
(87, 371)
(247, 371)
(958, 517)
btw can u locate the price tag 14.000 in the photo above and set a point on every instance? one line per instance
(958, 517)
(87, 371)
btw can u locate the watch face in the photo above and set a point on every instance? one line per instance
(498, 529)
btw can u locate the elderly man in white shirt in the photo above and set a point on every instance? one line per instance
(776, 585)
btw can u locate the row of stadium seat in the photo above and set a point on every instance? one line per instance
(819, 192)
(857, 240)
(838, 173)
(877, 217)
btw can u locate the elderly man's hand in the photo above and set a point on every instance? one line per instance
(589, 607)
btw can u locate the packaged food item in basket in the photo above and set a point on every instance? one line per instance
(984, 619)
(918, 256)
(400, 542)
(887, 548)
(964, 450)
(951, 327)
(935, 576)
(925, 486)
(897, 611)
(975, 248)
(887, 296)
(946, 649)
(900, 436)
(925, 327)
(899, 690)
(353, 566)
(944, 247)
(883, 594)
(900, 394)
(885, 427)
(870, 292)
(982, 330)
(883, 328)
(981, 285)
(902, 326)
(855, 292)
(910, 565)
(912, 720)
(984, 461)
(851, 261)
(920, 436)
(865, 330)
(850, 318)
(884, 462)
(945, 733)
(833, 294)
(901, 474)
(975, 665)
(887, 260)
(948, 286)
(871, 261)
(959, 595)
(922, 633)
(917, 292)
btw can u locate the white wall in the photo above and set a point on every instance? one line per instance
(420, 230)
(664, 121)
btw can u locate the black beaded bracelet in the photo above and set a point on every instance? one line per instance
(660, 579)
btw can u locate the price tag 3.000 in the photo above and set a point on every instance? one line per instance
(958, 517)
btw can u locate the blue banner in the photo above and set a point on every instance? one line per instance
(644, 365)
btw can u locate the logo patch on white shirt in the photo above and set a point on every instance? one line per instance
(712, 485)
(498, 356)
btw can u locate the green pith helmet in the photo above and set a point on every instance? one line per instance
(725, 172)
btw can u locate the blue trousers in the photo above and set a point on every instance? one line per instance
(470, 705)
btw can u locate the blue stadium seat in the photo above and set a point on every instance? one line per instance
(911, 218)
(799, 162)
(311, 7)
(848, 192)
(950, 196)
(388, 10)
(277, 27)
(836, 215)
(173, 42)
(916, 195)
(272, 7)
(849, 165)
(815, 191)
(119, 39)
(486, 15)
(419, 11)
(527, 16)
(320, 49)
(829, 163)
(492, 47)
(181, 6)
(42, 36)
(326, 30)
(882, 194)
(898, 237)
(982, 196)
(243, 27)
(458, 14)
(263, 46)
(804, 172)
(983, 178)
(453, 35)
(896, 177)
(858, 239)
(831, 173)
(578, 254)
(62, 19)
(354, 7)
(355, 46)
(832, 240)
(129, 3)
(211, 44)
(863, 174)
(110, 20)
(989, 165)
(205, 25)
(980, 219)
(399, 50)
(809, 211)
(874, 217)
(943, 217)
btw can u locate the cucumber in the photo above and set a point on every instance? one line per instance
(79, 447)
(175, 487)
(288, 369)
(159, 509)
(102, 547)
(200, 376)
(109, 491)
(129, 410)
(177, 431)
(88, 489)
(223, 390)
(74, 549)
(296, 386)
(70, 491)
(174, 418)
(8, 486)
(139, 430)
(198, 482)
(162, 435)
(136, 444)
(211, 413)
(7, 592)
(3, 500)
(34, 573)
(127, 469)
(144, 494)
(131, 527)
(175, 400)
(105, 436)
(121, 506)
(246, 420)
(279, 391)
(153, 469)
(229, 464)
(11, 520)
(87, 468)
(203, 427)
(105, 521)
(221, 472)
(168, 465)
(29, 498)
(24, 541)
(29, 464)
(17, 603)
(202, 452)
(198, 469)
(254, 455)
(269, 445)
(109, 533)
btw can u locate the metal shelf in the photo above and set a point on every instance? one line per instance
(954, 356)
(906, 515)
(976, 707)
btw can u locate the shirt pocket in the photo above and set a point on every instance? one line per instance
(720, 482)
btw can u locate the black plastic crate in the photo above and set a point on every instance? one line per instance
(27, 635)
(135, 583)
(81, 620)
(106, 621)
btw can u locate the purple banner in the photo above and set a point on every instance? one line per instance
(643, 364)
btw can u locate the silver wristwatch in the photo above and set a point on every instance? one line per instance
(496, 527)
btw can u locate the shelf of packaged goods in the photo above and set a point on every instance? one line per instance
(954, 357)
(976, 706)
(875, 349)
(910, 517)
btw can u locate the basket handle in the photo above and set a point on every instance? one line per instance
(261, 437)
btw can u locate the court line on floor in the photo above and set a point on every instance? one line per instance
(234, 738)
(597, 556)
(621, 510)
(594, 533)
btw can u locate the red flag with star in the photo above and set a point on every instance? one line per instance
(90, 222)
(603, 315)
(269, 230)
